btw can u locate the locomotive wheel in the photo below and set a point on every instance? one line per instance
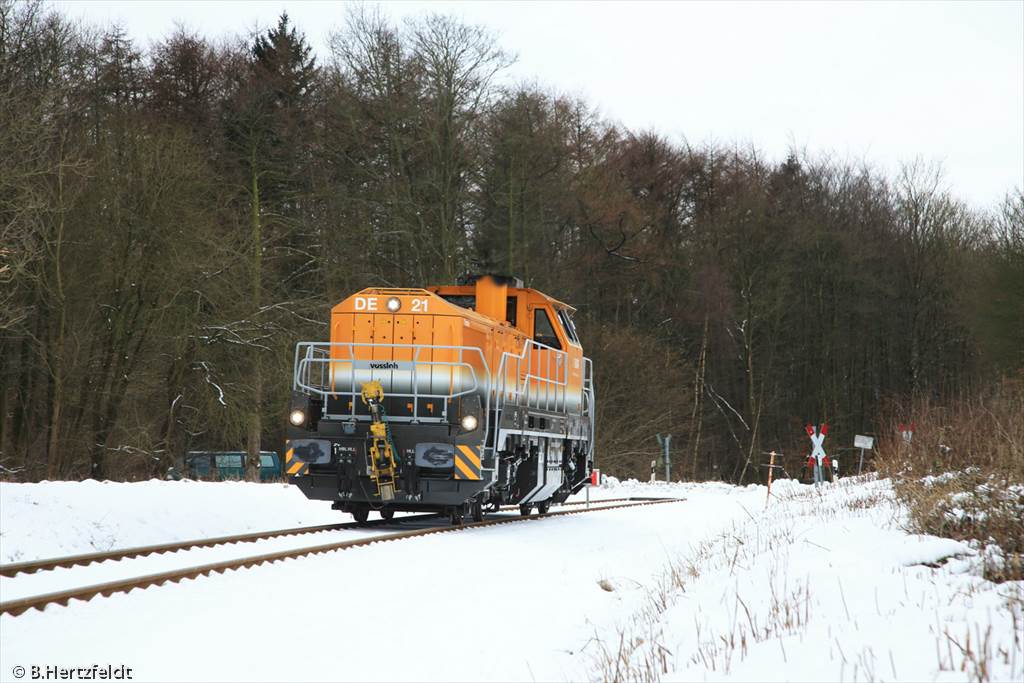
(387, 514)
(455, 516)
(542, 508)
(524, 509)
(478, 511)
(361, 514)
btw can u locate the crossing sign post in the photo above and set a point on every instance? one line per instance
(595, 480)
(862, 442)
(818, 450)
(907, 432)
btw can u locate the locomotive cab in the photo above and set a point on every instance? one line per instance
(449, 399)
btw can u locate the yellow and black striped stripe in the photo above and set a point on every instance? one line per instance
(293, 466)
(467, 463)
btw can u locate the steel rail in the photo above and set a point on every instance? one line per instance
(20, 605)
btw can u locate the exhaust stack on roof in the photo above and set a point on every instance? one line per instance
(491, 296)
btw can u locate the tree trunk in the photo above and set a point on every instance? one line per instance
(698, 395)
(54, 457)
(511, 219)
(8, 404)
(752, 409)
(252, 461)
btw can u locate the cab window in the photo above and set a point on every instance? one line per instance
(467, 301)
(543, 332)
(510, 310)
(570, 330)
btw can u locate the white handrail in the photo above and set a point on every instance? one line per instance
(318, 354)
(310, 355)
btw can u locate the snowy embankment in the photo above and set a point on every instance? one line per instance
(824, 585)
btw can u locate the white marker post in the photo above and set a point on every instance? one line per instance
(863, 443)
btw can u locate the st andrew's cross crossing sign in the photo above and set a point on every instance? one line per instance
(818, 454)
(817, 439)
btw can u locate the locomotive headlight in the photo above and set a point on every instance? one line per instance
(297, 417)
(469, 423)
(394, 303)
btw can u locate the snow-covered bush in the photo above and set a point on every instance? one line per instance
(962, 475)
(972, 505)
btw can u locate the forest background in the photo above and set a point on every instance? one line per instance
(174, 219)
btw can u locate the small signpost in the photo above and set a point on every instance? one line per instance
(818, 452)
(771, 471)
(666, 455)
(863, 443)
(595, 480)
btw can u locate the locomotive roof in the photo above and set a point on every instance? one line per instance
(527, 290)
(438, 290)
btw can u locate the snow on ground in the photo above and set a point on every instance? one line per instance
(824, 585)
(611, 487)
(53, 519)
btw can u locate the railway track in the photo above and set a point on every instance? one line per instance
(30, 567)
(106, 589)
(15, 568)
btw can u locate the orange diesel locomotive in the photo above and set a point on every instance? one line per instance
(453, 399)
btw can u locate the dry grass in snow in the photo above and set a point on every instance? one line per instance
(826, 584)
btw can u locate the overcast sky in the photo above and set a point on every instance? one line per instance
(877, 81)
